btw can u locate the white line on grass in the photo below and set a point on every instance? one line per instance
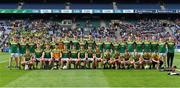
(3, 61)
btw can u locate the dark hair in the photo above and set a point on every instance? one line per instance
(174, 66)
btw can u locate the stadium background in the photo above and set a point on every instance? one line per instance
(9, 78)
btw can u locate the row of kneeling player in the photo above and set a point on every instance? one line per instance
(89, 59)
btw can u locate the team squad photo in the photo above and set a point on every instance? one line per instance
(88, 52)
(89, 43)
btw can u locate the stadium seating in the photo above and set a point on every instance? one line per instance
(172, 6)
(138, 6)
(43, 6)
(8, 6)
(91, 6)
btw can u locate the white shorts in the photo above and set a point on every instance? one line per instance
(21, 54)
(90, 59)
(122, 54)
(162, 54)
(38, 58)
(47, 58)
(74, 59)
(83, 59)
(131, 53)
(98, 58)
(64, 59)
(14, 55)
(141, 53)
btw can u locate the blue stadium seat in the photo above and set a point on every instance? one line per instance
(44, 6)
(172, 6)
(8, 6)
(138, 6)
(91, 6)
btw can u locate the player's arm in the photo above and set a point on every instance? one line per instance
(43, 53)
(23, 59)
(51, 55)
(143, 44)
(69, 54)
(78, 55)
(153, 59)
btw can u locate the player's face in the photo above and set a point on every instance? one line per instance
(14, 38)
(99, 39)
(38, 45)
(47, 46)
(82, 47)
(116, 39)
(146, 38)
(30, 39)
(65, 47)
(73, 47)
(56, 46)
(170, 38)
(96, 47)
(129, 38)
(107, 38)
(23, 39)
(153, 38)
(138, 38)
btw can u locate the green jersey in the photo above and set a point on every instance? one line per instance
(98, 53)
(127, 56)
(47, 53)
(107, 45)
(116, 55)
(23, 47)
(116, 46)
(27, 57)
(171, 46)
(76, 44)
(82, 43)
(162, 47)
(82, 54)
(139, 47)
(107, 56)
(31, 47)
(67, 44)
(100, 45)
(130, 46)
(147, 46)
(65, 54)
(122, 48)
(38, 52)
(13, 47)
(90, 53)
(53, 44)
(136, 57)
(74, 53)
(90, 43)
(154, 47)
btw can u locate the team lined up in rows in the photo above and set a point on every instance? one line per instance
(90, 53)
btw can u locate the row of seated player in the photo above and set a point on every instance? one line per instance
(104, 60)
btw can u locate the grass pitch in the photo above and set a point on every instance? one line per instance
(85, 78)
